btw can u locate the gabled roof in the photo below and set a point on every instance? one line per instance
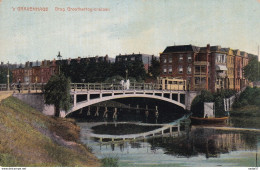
(181, 48)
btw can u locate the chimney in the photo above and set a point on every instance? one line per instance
(208, 47)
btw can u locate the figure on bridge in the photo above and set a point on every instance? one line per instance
(125, 84)
(19, 85)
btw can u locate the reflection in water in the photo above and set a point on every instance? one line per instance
(199, 146)
(208, 142)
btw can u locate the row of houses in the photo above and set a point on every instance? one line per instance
(211, 68)
(40, 72)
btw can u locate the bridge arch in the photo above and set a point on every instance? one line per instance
(102, 99)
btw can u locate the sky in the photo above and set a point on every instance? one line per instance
(129, 26)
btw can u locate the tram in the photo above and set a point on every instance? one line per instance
(168, 83)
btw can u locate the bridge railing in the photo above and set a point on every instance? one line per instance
(3, 87)
(28, 87)
(115, 86)
(39, 87)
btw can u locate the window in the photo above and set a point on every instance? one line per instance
(170, 60)
(197, 69)
(170, 70)
(189, 70)
(203, 69)
(164, 60)
(164, 70)
(180, 69)
(180, 58)
(133, 58)
(189, 58)
(197, 80)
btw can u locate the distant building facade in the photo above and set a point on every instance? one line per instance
(146, 59)
(41, 72)
(211, 68)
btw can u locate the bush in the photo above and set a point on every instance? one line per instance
(110, 162)
(197, 106)
(251, 96)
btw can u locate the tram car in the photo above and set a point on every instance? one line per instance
(168, 83)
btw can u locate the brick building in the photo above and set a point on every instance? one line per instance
(211, 68)
(145, 58)
(18, 73)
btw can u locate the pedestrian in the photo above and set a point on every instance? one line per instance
(19, 85)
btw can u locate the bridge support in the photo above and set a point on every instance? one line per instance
(75, 99)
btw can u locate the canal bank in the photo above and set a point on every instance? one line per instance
(29, 138)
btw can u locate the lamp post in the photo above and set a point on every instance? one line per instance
(8, 87)
(126, 72)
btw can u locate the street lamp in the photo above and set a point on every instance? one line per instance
(126, 72)
(8, 87)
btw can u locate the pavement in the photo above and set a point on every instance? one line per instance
(5, 94)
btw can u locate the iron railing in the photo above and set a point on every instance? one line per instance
(39, 87)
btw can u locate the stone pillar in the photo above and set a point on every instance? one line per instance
(75, 99)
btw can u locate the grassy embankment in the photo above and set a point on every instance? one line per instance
(246, 109)
(29, 138)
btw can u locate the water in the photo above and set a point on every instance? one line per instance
(204, 146)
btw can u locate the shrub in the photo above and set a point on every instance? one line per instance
(110, 162)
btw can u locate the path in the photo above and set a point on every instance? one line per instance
(5, 94)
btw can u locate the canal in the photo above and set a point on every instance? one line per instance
(192, 145)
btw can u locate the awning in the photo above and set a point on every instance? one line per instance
(221, 67)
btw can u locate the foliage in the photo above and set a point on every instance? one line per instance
(3, 75)
(102, 71)
(250, 96)
(154, 69)
(134, 69)
(110, 162)
(251, 70)
(57, 92)
(197, 106)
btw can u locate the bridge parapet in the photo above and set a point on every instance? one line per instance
(117, 86)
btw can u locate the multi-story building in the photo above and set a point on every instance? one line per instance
(218, 68)
(237, 69)
(230, 69)
(18, 73)
(145, 58)
(210, 68)
(244, 61)
(185, 62)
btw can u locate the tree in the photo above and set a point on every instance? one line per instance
(154, 69)
(57, 92)
(251, 70)
(3, 75)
